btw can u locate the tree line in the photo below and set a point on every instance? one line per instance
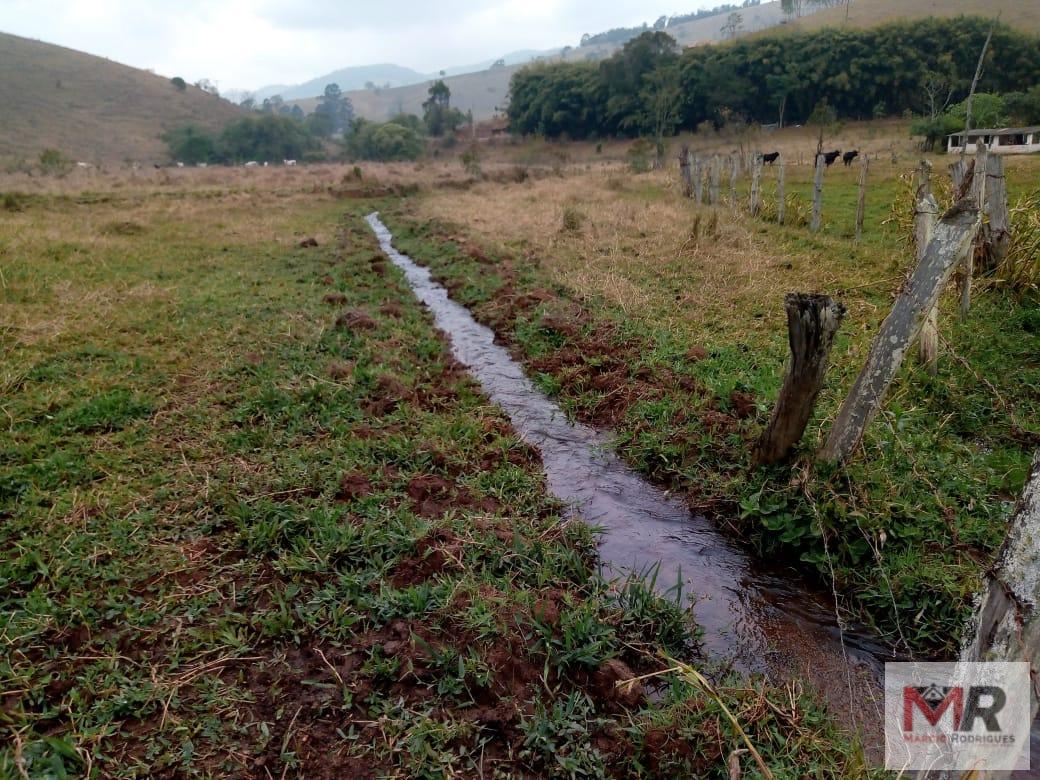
(652, 88)
(274, 132)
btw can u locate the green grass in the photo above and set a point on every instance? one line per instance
(911, 524)
(239, 539)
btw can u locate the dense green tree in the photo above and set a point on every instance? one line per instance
(190, 144)
(336, 112)
(439, 116)
(1023, 108)
(387, 141)
(179, 83)
(919, 67)
(266, 138)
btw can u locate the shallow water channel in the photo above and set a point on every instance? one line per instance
(758, 619)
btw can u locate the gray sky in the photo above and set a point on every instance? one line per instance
(251, 43)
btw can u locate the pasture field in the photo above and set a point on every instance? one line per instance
(256, 522)
(640, 311)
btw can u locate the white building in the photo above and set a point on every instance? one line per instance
(1008, 140)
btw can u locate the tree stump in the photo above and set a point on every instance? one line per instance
(812, 323)
(950, 243)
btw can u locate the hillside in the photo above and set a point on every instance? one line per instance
(90, 108)
(480, 93)
(485, 91)
(347, 78)
(1022, 15)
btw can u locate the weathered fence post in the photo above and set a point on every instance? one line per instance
(926, 212)
(950, 242)
(861, 200)
(684, 172)
(817, 195)
(1007, 621)
(756, 186)
(957, 171)
(995, 233)
(713, 186)
(698, 181)
(781, 201)
(812, 322)
(978, 194)
(734, 172)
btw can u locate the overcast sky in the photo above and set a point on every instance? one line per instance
(252, 43)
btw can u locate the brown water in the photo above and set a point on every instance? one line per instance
(758, 619)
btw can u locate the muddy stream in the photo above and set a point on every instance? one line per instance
(756, 618)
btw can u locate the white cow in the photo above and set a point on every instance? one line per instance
(84, 165)
(289, 162)
(180, 165)
(252, 164)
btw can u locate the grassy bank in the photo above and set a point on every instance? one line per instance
(256, 522)
(663, 320)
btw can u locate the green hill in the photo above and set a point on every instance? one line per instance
(1022, 15)
(90, 108)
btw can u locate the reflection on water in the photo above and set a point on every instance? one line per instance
(758, 620)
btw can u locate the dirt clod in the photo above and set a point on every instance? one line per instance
(355, 319)
(308, 243)
(335, 298)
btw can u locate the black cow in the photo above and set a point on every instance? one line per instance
(848, 157)
(830, 157)
(771, 158)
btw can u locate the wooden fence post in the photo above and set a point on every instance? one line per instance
(812, 322)
(734, 172)
(781, 201)
(978, 194)
(957, 171)
(951, 241)
(817, 195)
(861, 200)
(714, 174)
(926, 212)
(995, 233)
(698, 181)
(1007, 621)
(684, 172)
(756, 186)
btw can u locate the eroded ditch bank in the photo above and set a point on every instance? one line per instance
(758, 620)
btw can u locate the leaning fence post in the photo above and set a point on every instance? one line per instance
(698, 181)
(812, 322)
(1006, 624)
(756, 185)
(734, 172)
(817, 195)
(714, 174)
(995, 234)
(684, 172)
(978, 193)
(926, 211)
(861, 200)
(950, 243)
(781, 201)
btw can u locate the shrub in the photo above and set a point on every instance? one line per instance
(53, 161)
(386, 142)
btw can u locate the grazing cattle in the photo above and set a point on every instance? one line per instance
(771, 158)
(289, 162)
(252, 164)
(84, 165)
(830, 157)
(180, 165)
(848, 157)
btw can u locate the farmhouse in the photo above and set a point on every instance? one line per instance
(1009, 140)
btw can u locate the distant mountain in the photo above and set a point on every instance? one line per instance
(348, 79)
(356, 78)
(92, 109)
